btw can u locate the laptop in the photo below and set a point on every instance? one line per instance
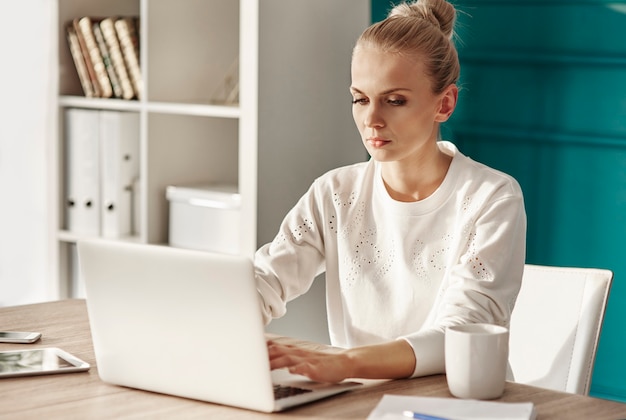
(185, 323)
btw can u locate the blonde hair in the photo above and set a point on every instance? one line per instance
(422, 28)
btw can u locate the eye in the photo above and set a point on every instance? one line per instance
(359, 101)
(396, 102)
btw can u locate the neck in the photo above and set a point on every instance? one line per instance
(418, 178)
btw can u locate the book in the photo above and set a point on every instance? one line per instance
(79, 61)
(88, 61)
(119, 148)
(85, 25)
(82, 177)
(109, 33)
(402, 406)
(129, 43)
(106, 59)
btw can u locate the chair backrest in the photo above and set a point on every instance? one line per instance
(555, 326)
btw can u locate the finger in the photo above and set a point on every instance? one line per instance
(284, 361)
(276, 351)
(280, 349)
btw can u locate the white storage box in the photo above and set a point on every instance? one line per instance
(205, 217)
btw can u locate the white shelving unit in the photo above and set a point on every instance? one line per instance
(292, 123)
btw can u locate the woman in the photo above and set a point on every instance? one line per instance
(418, 238)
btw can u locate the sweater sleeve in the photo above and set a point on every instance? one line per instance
(481, 286)
(286, 267)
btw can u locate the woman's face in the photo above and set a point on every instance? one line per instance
(394, 107)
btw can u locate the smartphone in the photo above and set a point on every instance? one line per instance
(19, 337)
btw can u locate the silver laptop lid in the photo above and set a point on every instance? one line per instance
(177, 321)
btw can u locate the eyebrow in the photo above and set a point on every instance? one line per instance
(387, 92)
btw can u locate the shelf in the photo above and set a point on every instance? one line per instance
(71, 237)
(217, 111)
(193, 109)
(70, 101)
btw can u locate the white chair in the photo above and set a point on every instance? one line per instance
(555, 326)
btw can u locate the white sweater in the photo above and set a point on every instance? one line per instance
(397, 270)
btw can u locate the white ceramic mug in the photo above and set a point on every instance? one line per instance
(476, 358)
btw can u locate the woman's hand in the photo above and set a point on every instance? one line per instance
(391, 360)
(318, 365)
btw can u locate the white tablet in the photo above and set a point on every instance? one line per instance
(39, 362)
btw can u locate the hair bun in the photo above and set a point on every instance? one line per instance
(438, 12)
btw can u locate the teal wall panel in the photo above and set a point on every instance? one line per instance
(380, 8)
(577, 99)
(542, 27)
(544, 98)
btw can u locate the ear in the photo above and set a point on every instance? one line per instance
(447, 103)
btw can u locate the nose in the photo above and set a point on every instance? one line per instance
(373, 116)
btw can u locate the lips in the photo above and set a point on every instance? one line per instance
(377, 142)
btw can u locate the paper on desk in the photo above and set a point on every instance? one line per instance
(391, 407)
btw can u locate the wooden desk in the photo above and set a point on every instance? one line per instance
(64, 324)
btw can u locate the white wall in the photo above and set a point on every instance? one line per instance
(26, 45)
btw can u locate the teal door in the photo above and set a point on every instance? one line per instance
(543, 98)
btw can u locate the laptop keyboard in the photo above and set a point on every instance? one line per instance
(282, 391)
